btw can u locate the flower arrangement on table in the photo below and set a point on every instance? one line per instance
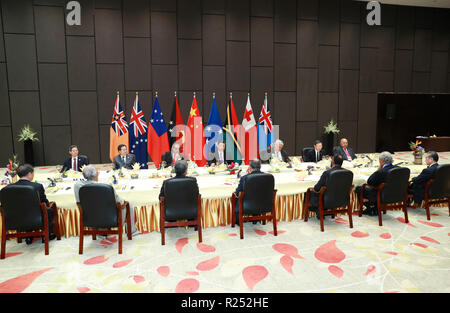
(416, 148)
(135, 172)
(12, 168)
(232, 168)
(331, 128)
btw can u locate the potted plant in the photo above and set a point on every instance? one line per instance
(329, 132)
(27, 135)
(417, 150)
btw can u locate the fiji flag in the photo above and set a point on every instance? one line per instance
(138, 134)
(213, 134)
(158, 141)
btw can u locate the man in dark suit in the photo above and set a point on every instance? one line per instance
(169, 158)
(277, 152)
(219, 156)
(336, 164)
(376, 179)
(26, 175)
(417, 188)
(344, 151)
(181, 168)
(75, 162)
(316, 154)
(124, 159)
(253, 169)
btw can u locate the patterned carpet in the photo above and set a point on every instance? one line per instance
(397, 257)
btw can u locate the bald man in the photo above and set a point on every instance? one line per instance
(344, 151)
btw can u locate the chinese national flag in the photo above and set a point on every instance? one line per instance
(195, 139)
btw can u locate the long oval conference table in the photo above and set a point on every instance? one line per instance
(216, 189)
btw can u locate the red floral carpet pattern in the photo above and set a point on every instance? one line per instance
(396, 257)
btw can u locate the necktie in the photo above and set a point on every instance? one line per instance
(348, 155)
(123, 158)
(221, 157)
(317, 156)
(75, 168)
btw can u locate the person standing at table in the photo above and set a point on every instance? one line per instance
(218, 157)
(417, 188)
(336, 164)
(376, 179)
(316, 154)
(26, 175)
(344, 151)
(90, 173)
(169, 158)
(75, 162)
(124, 159)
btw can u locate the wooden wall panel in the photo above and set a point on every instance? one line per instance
(138, 64)
(51, 43)
(213, 40)
(22, 66)
(136, 18)
(261, 41)
(108, 36)
(54, 94)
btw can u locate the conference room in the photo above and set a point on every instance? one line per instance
(224, 146)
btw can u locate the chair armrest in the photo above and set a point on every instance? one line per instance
(313, 190)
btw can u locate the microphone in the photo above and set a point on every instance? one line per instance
(52, 182)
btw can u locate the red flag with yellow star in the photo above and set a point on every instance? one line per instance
(195, 140)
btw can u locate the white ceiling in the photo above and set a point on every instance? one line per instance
(419, 3)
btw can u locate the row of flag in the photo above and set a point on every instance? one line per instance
(154, 138)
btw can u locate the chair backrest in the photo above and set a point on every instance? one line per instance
(338, 186)
(396, 185)
(180, 198)
(305, 154)
(21, 208)
(98, 204)
(258, 193)
(440, 188)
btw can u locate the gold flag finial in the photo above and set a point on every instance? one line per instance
(214, 94)
(175, 93)
(117, 91)
(231, 94)
(194, 94)
(156, 93)
(137, 93)
(248, 94)
(265, 93)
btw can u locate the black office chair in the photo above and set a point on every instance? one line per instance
(181, 201)
(100, 213)
(305, 152)
(23, 212)
(392, 194)
(335, 197)
(437, 189)
(257, 199)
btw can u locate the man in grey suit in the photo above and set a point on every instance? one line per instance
(124, 159)
(90, 173)
(218, 156)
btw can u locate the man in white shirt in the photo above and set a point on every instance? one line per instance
(75, 162)
(90, 173)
